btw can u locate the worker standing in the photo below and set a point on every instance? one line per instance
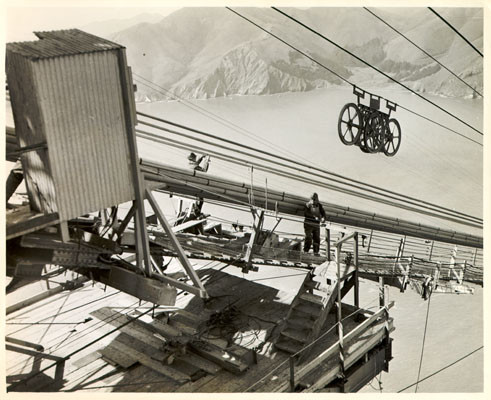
(314, 214)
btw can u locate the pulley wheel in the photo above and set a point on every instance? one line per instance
(349, 124)
(393, 137)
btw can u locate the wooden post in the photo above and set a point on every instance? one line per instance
(381, 292)
(65, 234)
(437, 274)
(397, 264)
(180, 207)
(462, 274)
(475, 257)
(138, 182)
(121, 228)
(453, 257)
(177, 246)
(431, 249)
(369, 241)
(328, 243)
(357, 283)
(339, 311)
(292, 374)
(258, 222)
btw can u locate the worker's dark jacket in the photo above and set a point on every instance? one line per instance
(313, 213)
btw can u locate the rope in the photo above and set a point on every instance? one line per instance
(376, 69)
(424, 338)
(456, 31)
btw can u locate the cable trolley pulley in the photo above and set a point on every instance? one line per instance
(367, 127)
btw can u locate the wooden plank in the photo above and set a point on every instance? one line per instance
(188, 224)
(350, 360)
(219, 356)
(296, 334)
(141, 287)
(335, 347)
(184, 328)
(117, 319)
(115, 355)
(44, 295)
(86, 360)
(157, 366)
(27, 222)
(166, 330)
(200, 362)
(179, 284)
(311, 298)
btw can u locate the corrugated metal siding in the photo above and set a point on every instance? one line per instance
(62, 43)
(81, 104)
(30, 129)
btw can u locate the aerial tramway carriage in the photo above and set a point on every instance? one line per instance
(369, 128)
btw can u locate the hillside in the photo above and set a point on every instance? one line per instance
(210, 52)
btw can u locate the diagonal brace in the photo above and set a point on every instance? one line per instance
(175, 243)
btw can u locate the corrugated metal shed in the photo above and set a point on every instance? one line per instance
(62, 43)
(67, 89)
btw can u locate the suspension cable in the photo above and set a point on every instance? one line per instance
(345, 80)
(182, 145)
(375, 68)
(456, 31)
(354, 183)
(424, 51)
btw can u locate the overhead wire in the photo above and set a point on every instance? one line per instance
(310, 181)
(441, 369)
(453, 212)
(424, 339)
(219, 119)
(328, 69)
(375, 68)
(456, 31)
(421, 49)
(309, 166)
(358, 185)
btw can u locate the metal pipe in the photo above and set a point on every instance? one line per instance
(211, 187)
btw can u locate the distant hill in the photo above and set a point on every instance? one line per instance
(210, 52)
(108, 28)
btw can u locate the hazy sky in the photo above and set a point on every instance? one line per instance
(22, 21)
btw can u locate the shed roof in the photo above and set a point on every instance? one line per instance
(61, 43)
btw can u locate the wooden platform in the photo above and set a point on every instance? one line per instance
(21, 220)
(185, 351)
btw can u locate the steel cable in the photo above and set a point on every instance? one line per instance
(456, 31)
(421, 49)
(356, 184)
(375, 68)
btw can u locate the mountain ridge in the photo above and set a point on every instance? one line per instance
(209, 52)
